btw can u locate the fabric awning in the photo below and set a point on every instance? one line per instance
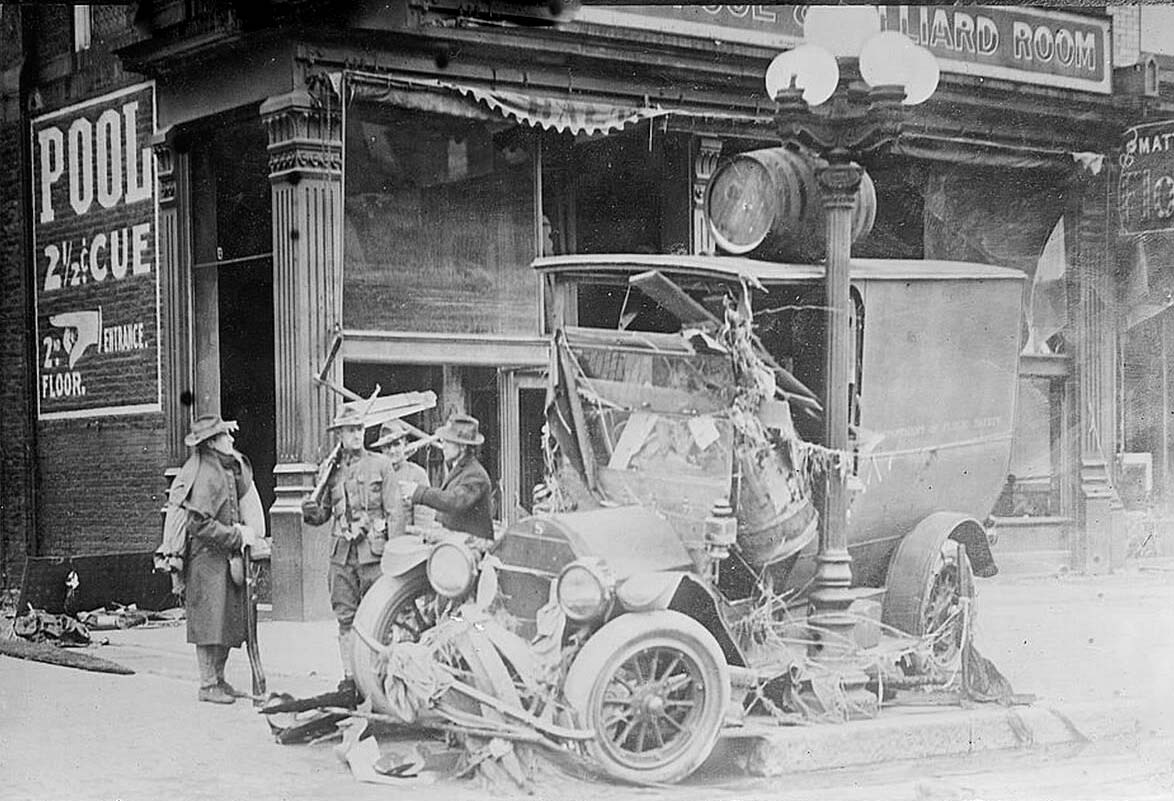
(563, 114)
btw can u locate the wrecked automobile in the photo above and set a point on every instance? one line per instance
(657, 600)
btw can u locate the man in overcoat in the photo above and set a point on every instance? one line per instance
(363, 501)
(209, 489)
(465, 501)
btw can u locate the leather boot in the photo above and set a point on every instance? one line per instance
(346, 641)
(216, 695)
(211, 665)
(221, 654)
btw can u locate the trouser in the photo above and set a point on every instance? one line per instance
(211, 659)
(348, 584)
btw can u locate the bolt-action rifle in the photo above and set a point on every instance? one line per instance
(327, 471)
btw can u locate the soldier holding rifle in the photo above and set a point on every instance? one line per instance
(214, 512)
(358, 489)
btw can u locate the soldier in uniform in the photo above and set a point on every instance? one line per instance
(363, 500)
(393, 438)
(214, 496)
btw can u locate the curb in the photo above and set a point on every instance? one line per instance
(920, 732)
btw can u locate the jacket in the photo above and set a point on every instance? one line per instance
(363, 501)
(209, 488)
(464, 501)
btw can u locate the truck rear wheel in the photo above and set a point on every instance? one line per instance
(924, 594)
(655, 688)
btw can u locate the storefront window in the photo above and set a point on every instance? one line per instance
(1032, 488)
(439, 223)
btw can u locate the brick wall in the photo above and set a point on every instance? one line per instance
(101, 483)
(90, 484)
(1126, 34)
(16, 435)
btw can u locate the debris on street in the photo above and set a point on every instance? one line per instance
(53, 655)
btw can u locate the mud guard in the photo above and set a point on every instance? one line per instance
(402, 554)
(680, 592)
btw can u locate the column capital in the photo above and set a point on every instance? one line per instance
(305, 136)
(706, 152)
(839, 182)
(163, 145)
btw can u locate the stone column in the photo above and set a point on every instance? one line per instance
(1094, 337)
(305, 171)
(175, 290)
(706, 151)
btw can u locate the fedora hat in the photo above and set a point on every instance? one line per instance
(389, 432)
(207, 426)
(346, 417)
(462, 429)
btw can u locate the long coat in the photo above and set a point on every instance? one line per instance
(209, 486)
(464, 501)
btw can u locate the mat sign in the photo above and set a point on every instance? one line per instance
(1145, 190)
(95, 271)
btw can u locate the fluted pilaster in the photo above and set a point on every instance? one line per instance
(175, 277)
(305, 173)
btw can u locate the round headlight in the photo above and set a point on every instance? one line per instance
(450, 569)
(585, 591)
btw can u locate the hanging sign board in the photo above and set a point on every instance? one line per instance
(1029, 45)
(95, 273)
(1145, 189)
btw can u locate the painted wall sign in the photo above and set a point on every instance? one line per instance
(1030, 45)
(1145, 190)
(95, 273)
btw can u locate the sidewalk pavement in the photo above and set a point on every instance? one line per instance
(1096, 651)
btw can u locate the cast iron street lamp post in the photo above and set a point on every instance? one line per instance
(841, 95)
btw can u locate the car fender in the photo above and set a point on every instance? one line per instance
(402, 554)
(646, 592)
(680, 592)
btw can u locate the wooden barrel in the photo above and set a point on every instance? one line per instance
(775, 520)
(767, 203)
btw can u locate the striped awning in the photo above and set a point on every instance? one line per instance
(565, 114)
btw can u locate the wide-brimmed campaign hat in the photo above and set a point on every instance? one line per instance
(389, 432)
(462, 429)
(207, 426)
(347, 417)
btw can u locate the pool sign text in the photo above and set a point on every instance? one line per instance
(95, 257)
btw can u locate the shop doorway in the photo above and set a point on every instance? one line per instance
(244, 267)
(523, 413)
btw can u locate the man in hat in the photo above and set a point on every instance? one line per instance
(464, 501)
(363, 498)
(214, 491)
(393, 442)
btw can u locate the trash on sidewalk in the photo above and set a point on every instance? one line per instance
(368, 764)
(37, 625)
(116, 616)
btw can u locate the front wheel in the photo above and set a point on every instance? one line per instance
(654, 687)
(395, 609)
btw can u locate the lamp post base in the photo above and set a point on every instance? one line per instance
(839, 634)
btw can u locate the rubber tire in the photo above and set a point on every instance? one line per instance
(614, 644)
(377, 609)
(912, 574)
